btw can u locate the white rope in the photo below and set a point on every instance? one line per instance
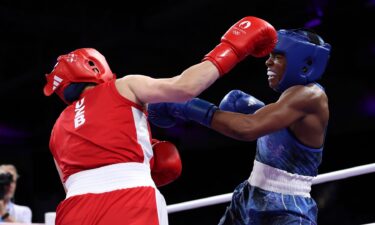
(322, 178)
(346, 173)
(214, 200)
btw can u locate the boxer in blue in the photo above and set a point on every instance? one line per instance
(290, 132)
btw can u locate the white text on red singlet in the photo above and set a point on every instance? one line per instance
(79, 118)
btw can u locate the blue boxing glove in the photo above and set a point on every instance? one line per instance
(164, 114)
(158, 114)
(239, 101)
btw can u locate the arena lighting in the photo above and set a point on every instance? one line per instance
(370, 3)
(9, 132)
(316, 9)
(368, 105)
(313, 23)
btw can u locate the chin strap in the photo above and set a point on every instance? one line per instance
(73, 91)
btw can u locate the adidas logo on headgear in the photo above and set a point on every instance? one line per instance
(56, 82)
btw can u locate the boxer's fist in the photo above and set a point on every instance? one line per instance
(249, 36)
(164, 114)
(167, 164)
(158, 114)
(239, 101)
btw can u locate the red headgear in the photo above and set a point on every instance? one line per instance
(81, 65)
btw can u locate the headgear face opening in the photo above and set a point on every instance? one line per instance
(82, 65)
(307, 56)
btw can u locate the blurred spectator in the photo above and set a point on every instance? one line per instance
(9, 211)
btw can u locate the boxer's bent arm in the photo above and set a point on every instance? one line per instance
(290, 108)
(190, 83)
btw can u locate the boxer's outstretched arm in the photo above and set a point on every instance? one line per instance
(249, 36)
(190, 83)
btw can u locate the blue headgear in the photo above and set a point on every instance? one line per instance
(306, 58)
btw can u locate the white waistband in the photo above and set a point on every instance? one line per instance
(280, 181)
(109, 178)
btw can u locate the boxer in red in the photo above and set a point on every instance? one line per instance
(101, 142)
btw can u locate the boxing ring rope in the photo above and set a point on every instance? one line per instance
(214, 200)
(322, 178)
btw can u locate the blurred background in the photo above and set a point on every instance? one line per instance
(161, 39)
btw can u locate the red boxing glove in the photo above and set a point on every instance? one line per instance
(249, 36)
(167, 164)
